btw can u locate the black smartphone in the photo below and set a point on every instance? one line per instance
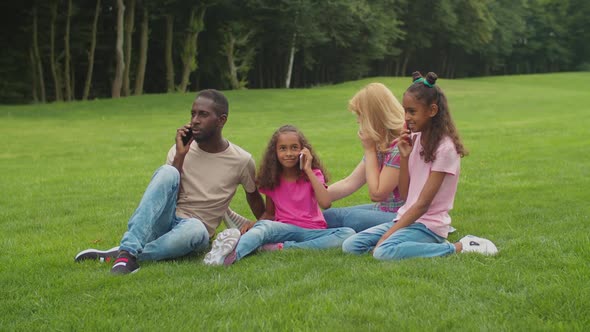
(187, 138)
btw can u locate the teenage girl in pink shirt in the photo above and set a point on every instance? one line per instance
(431, 152)
(294, 182)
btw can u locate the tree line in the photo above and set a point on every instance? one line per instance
(63, 50)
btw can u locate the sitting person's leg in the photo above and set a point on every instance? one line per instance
(304, 238)
(335, 216)
(366, 240)
(154, 217)
(263, 232)
(185, 237)
(230, 246)
(415, 240)
(359, 218)
(155, 214)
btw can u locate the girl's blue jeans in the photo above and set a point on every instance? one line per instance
(267, 231)
(359, 217)
(154, 231)
(415, 240)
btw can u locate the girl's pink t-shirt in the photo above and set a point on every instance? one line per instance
(447, 160)
(295, 203)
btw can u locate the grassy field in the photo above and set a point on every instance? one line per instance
(72, 174)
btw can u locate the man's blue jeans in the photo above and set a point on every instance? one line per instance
(154, 231)
(415, 240)
(359, 217)
(267, 231)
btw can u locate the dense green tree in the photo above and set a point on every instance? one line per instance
(578, 30)
(68, 49)
(120, 57)
(91, 52)
(508, 27)
(544, 43)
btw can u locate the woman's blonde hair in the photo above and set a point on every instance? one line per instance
(381, 116)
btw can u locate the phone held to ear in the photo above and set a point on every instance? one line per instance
(187, 137)
(409, 132)
(301, 161)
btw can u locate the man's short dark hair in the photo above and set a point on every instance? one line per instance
(220, 103)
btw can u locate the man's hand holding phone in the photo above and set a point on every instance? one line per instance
(184, 137)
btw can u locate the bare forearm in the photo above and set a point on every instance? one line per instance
(321, 193)
(340, 190)
(256, 204)
(404, 178)
(267, 216)
(372, 172)
(413, 214)
(348, 185)
(178, 162)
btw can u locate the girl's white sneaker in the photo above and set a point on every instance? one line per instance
(477, 244)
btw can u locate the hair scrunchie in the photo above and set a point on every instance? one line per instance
(423, 81)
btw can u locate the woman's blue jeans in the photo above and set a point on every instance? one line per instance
(359, 217)
(415, 240)
(154, 231)
(267, 231)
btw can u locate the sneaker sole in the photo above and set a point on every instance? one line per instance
(223, 245)
(124, 274)
(79, 257)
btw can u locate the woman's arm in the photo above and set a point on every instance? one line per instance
(348, 185)
(431, 187)
(380, 183)
(380, 180)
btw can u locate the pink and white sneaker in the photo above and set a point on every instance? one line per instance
(271, 247)
(223, 245)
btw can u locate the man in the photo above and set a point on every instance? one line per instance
(186, 199)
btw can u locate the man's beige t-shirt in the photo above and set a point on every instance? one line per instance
(209, 181)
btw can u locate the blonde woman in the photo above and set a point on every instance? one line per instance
(381, 120)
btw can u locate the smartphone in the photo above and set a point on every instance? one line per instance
(301, 161)
(409, 132)
(187, 138)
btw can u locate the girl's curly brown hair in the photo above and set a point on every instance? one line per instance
(442, 123)
(269, 174)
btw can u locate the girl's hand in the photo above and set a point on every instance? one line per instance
(246, 227)
(368, 144)
(405, 143)
(306, 159)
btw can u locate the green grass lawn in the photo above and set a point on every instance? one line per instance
(72, 174)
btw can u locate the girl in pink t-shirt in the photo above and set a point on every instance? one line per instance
(292, 178)
(431, 152)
